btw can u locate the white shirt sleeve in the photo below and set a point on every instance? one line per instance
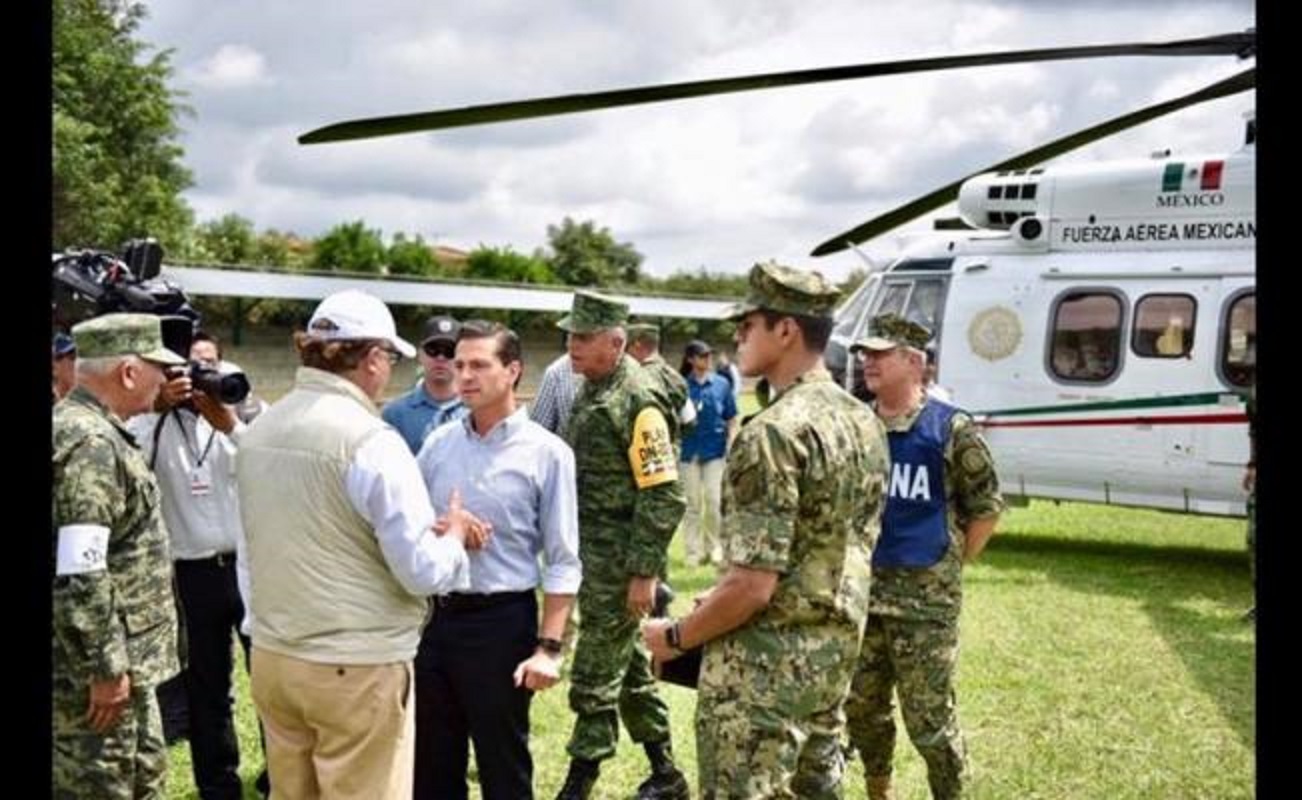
(385, 487)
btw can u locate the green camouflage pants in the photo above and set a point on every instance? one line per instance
(611, 678)
(129, 763)
(917, 659)
(747, 751)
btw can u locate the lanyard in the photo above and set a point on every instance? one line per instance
(194, 451)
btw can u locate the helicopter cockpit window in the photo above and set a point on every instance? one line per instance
(1164, 326)
(852, 315)
(1239, 341)
(1085, 342)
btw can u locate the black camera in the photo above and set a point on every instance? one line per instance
(89, 283)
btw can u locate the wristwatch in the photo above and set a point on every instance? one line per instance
(552, 647)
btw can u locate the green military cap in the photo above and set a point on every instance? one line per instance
(774, 287)
(593, 312)
(889, 331)
(642, 331)
(124, 335)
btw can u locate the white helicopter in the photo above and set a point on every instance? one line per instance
(1099, 320)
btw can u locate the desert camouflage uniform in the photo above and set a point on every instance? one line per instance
(626, 520)
(113, 611)
(911, 640)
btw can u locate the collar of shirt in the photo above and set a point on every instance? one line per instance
(81, 394)
(420, 396)
(504, 427)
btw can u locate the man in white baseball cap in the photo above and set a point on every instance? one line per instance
(342, 555)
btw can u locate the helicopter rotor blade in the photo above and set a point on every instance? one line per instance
(882, 223)
(1241, 44)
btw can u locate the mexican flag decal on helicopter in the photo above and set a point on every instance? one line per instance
(1174, 174)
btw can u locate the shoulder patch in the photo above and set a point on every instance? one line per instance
(651, 453)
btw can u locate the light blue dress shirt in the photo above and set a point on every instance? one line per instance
(519, 477)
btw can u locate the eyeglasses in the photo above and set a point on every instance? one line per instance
(393, 355)
(439, 349)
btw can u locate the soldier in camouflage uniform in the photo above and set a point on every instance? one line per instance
(802, 501)
(630, 502)
(644, 347)
(114, 621)
(941, 508)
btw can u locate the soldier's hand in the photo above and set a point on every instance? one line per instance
(538, 672)
(219, 415)
(108, 699)
(653, 636)
(641, 595)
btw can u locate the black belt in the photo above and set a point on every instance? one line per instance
(219, 560)
(462, 601)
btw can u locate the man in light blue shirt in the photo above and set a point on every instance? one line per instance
(433, 401)
(481, 656)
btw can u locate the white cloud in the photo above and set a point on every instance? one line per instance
(233, 66)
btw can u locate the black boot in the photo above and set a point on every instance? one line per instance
(579, 781)
(666, 781)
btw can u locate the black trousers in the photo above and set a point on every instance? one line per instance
(210, 600)
(465, 692)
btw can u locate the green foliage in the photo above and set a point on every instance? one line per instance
(506, 265)
(117, 171)
(350, 247)
(584, 255)
(411, 257)
(229, 240)
(700, 282)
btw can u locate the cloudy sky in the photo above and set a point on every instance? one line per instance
(716, 182)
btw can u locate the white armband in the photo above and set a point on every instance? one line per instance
(82, 549)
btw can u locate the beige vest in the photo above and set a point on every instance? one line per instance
(320, 587)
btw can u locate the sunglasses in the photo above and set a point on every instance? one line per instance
(439, 349)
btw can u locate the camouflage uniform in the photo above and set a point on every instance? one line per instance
(911, 639)
(113, 611)
(670, 381)
(802, 497)
(630, 502)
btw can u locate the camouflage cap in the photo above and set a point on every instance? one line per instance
(643, 331)
(592, 312)
(889, 331)
(124, 335)
(774, 287)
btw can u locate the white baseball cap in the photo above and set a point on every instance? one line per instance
(354, 314)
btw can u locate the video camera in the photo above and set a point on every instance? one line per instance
(89, 283)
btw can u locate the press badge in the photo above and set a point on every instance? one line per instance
(200, 480)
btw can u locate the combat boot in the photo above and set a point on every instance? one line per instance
(580, 780)
(666, 781)
(879, 787)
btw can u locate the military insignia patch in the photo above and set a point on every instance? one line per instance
(651, 455)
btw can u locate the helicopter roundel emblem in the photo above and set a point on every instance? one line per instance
(995, 333)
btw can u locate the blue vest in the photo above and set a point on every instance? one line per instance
(914, 529)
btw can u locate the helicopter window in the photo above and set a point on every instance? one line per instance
(1085, 344)
(995, 192)
(1037, 171)
(1028, 191)
(1239, 341)
(1164, 326)
(895, 298)
(853, 312)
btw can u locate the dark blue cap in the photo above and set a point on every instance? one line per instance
(63, 345)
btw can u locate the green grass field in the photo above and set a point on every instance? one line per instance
(1103, 657)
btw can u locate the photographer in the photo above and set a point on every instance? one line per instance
(190, 444)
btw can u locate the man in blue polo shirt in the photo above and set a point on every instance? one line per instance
(434, 400)
(704, 447)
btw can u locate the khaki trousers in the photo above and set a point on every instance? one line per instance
(336, 731)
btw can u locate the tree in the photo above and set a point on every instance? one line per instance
(350, 247)
(411, 257)
(117, 171)
(584, 255)
(229, 240)
(504, 264)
